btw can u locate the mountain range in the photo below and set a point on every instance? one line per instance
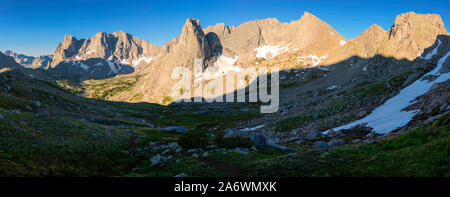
(104, 106)
(306, 42)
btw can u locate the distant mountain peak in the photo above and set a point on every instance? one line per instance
(30, 61)
(376, 27)
(119, 46)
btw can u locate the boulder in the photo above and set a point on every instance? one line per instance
(173, 145)
(336, 142)
(271, 143)
(259, 141)
(298, 142)
(320, 145)
(313, 134)
(194, 150)
(157, 159)
(176, 129)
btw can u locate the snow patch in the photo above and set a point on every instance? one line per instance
(332, 87)
(84, 66)
(125, 61)
(311, 59)
(390, 115)
(113, 67)
(221, 67)
(431, 53)
(268, 52)
(323, 68)
(253, 128)
(145, 59)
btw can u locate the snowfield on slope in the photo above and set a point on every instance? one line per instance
(390, 115)
(269, 52)
(221, 67)
(313, 60)
(431, 53)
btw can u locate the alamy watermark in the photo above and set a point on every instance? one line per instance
(198, 86)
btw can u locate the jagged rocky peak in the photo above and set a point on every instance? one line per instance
(220, 29)
(375, 29)
(412, 33)
(192, 28)
(314, 34)
(412, 25)
(310, 17)
(192, 42)
(182, 51)
(373, 34)
(67, 48)
(118, 46)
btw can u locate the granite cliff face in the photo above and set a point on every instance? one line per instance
(182, 51)
(118, 46)
(102, 56)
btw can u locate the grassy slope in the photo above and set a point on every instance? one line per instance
(421, 152)
(63, 145)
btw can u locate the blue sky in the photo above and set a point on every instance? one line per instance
(36, 27)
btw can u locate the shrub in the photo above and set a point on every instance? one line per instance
(193, 140)
(233, 142)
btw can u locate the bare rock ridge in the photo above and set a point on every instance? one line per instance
(410, 35)
(118, 46)
(30, 61)
(308, 34)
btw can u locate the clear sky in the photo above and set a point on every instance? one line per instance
(36, 27)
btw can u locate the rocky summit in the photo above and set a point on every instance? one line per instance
(373, 105)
